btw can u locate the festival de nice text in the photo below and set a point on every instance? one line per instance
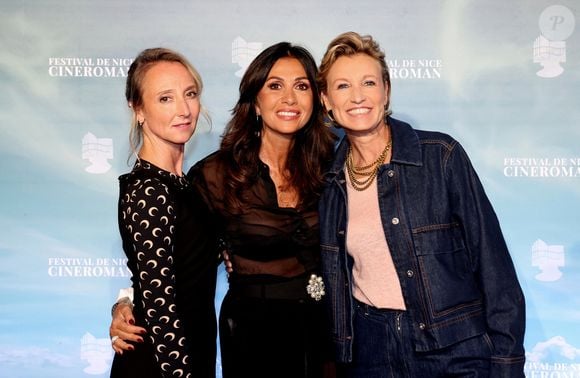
(541, 167)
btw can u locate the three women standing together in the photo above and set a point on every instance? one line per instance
(417, 280)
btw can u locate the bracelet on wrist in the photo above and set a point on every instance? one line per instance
(124, 300)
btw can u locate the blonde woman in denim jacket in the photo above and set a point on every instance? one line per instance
(419, 281)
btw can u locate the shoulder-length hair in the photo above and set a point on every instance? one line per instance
(310, 151)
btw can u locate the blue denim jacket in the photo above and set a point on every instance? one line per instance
(456, 274)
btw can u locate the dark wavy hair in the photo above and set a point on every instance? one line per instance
(311, 150)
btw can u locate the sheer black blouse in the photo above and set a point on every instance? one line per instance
(261, 237)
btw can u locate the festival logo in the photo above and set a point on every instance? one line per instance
(556, 25)
(243, 53)
(98, 354)
(88, 67)
(97, 151)
(549, 259)
(85, 267)
(541, 167)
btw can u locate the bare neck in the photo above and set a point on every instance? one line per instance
(367, 146)
(169, 158)
(274, 152)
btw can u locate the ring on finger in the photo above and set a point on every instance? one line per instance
(113, 339)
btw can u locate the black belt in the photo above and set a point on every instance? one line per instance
(293, 289)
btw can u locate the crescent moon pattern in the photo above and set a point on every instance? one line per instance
(160, 302)
(151, 313)
(148, 190)
(148, 215)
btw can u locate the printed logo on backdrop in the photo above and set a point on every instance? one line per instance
(83, 267)
(549, 259)
(88, 67)
(97, 151)
(556, 23)
(541, 167)
(243, 53)
(418, 69)
(97, 353)
(545, 359)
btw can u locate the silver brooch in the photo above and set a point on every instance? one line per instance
(315, 287)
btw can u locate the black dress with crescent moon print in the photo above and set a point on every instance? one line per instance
(169, 240)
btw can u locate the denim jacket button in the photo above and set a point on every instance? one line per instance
(391, 173)
(422, 326)
(395, 220)
(410, 273)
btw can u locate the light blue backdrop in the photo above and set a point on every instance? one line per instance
(502, 77)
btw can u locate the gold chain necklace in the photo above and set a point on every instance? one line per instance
(369, 171)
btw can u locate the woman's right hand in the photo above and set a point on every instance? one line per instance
(122, 326)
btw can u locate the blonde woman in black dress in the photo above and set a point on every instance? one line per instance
(164, 226)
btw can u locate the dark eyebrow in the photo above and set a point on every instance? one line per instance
(281, 79)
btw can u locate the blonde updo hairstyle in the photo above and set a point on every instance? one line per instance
(134, 85)
(349, 44)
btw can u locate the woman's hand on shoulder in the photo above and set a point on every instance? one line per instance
(122, 329)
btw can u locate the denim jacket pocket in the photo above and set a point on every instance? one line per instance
(445, 269)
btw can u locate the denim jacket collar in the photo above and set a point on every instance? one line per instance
(406, 148)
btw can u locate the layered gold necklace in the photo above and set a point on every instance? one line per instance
(367, 173)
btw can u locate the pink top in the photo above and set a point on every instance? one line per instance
(375, 281)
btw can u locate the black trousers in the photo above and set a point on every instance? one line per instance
(264, 337)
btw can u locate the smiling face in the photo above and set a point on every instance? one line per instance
(170, 104)
(285, 101)
(356, 93)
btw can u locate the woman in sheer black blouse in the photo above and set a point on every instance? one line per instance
(263, 185)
